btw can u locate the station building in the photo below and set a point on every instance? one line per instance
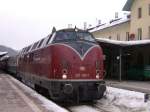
(126, 42)
(135, 26)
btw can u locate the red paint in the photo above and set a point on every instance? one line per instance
(51, 60)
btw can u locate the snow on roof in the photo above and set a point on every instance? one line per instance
(110, 24)
(123, 43)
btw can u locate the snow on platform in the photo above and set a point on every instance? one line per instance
(49, 105)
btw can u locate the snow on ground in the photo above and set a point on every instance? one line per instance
(83, 108)
(115, 100)
(49, 105)
(120, 100)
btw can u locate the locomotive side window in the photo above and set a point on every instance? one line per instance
(40, 43)
(35, 45)
(28, 48)
(48, 39)
(25, 50)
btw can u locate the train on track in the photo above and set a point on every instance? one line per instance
(67, 65)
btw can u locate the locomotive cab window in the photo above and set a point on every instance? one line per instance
(63, 36)
(85, 36)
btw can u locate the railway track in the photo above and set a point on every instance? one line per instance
(84, 107)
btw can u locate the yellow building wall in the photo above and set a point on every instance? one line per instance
(113, 31)
(143, 22)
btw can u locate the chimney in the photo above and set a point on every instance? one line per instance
(69, 25)
(85, 25)
(99, 22)
(116, 15)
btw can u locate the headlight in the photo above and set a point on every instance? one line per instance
(64, 76)
(64, 72)
(97, 74)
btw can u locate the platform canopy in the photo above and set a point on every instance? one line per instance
(123, 43)
(122, 57)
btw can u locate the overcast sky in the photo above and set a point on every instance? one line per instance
(23, 22)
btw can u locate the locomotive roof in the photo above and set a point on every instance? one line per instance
(73, 29)
(45, 41)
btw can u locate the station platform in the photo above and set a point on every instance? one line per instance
(12, 99)
(139, 86)
(16, 97)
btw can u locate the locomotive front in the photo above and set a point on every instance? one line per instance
(77, 66)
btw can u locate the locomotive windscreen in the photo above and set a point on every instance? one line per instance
(63, 36)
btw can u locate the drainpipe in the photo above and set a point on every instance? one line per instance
(120, 65)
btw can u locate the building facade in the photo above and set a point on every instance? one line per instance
(115, 30)
(135, 27)
(140, 18)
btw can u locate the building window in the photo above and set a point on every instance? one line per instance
(127, 36)
(149, 32)
(139, 12)
(118, 37)
(149, 9)
(109, 37)
(139, 33)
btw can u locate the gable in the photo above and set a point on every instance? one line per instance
(128, 5)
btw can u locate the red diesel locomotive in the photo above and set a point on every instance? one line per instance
(68, 64)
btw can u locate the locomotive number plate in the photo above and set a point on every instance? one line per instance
(82, 68)
(82, 75)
